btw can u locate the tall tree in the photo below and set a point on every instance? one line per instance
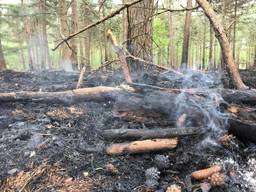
(2, 59)
(171, 46)
(139, 29)
(186, 36)
(211, 49)
(74, 28)
(43, 44)
(65, 62)
(224, 43)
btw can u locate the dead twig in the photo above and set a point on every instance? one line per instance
(121, 56)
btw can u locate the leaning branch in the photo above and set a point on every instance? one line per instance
(114, 13)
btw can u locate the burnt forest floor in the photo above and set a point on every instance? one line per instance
(43, 146)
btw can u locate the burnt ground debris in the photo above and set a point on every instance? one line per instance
(34, 133)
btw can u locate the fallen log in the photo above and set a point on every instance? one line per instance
(99, 93)
(102, 93)
(151, 133)
(143, 146)
(243, 130)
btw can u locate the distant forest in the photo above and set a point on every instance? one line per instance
(165, 32)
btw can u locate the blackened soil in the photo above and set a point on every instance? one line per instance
(32, 133)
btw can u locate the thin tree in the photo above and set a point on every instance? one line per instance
(186, 36)
(227, 53)
(64, 31)
(2, 59)
(74, 28)
(171, 46)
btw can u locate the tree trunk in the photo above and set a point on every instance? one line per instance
(139, 29)
(224, 43)
(27, 29)
(74, 28)
(211, 50)
(186, 36)
(2, 59)
(45, 62)
(234, 32)
(171, 46)
(66, 62)
(254, 62)
(204, 46)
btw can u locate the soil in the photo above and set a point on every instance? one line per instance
(39, 141)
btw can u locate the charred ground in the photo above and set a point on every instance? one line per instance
(56, 138)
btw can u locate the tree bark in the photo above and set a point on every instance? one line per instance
(45, 61)
(186, 36)
(65, 62)
(211, 50)
(224, 43)
(2, 59)
(171, 46)
(150, 133)
(74, 28)
(140, 30)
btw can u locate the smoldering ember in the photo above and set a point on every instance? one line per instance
(138, 95)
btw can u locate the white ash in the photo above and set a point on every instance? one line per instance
(151, 183)
(162, 161)
(246, 172)
(152, 174)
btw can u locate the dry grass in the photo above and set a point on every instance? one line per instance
(45, 178)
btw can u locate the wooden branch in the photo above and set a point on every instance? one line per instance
(151, 133)
(114, 13)
(81, 77)
(205, 173)
(243, 130)
(121, 56)
(142, 146)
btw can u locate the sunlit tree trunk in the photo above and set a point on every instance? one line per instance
(2, 59)
(186, 36)
(224, 43)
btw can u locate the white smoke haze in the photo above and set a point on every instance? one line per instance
(201, 111)
(66, 65)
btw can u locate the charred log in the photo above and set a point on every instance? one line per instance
(151, 133)
(243, 130)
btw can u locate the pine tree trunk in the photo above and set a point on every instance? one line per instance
(45, 59)
(204, 46)
(186, 36)
(224, 43)
(66, 62)
(2, 59)
(171, 46)
(74, 28)
(234, 32)
(211, 49)
(28, 33)
(139, 29)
